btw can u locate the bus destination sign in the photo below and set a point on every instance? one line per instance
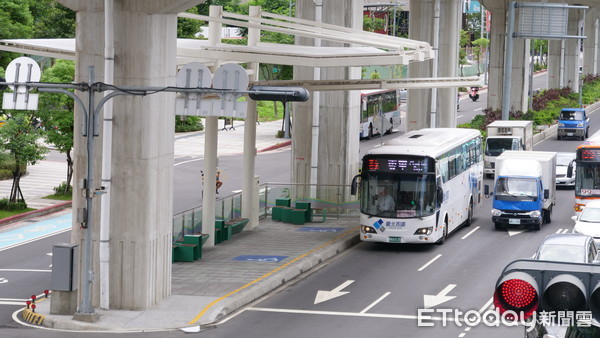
(589, 154)
(418, 165)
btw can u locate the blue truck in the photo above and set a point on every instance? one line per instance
(524, 190)
(573, 122)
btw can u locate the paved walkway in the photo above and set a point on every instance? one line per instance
(228, 276)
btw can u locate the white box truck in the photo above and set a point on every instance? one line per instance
(524, 188)
(506, 135)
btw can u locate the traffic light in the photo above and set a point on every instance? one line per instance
(276, 93)
(528, 286)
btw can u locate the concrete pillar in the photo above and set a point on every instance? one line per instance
(520, 62)
(591, 49)
(555, 48)
(421, 28)
(572, 52)
(143, 128)
(338, 110)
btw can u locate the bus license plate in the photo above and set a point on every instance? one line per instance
(514, 221)
(395, 239)
(569, 134)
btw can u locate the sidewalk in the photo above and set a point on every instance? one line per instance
(229, 275)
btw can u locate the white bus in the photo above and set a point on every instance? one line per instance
(434, 177)
(375, 104)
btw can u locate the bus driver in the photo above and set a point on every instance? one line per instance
(385, 202)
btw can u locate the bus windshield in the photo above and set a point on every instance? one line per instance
(398, 195)
(587, 179)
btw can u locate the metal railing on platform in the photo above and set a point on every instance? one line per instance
(336, 199)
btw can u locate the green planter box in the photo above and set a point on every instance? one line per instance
(306, 206)
(197, 239)
(298, 216)
(237, 225)
(283, 202)
(276, 213)
(186, 252)
(286, 215)
(219, 231)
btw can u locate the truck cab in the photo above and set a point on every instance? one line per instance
(573, 122)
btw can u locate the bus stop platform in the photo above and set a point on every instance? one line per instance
(227, 277)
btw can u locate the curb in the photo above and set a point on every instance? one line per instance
(276, 146)
(36, 213)
(32, 317)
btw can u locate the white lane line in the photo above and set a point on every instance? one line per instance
(486, 305)
(470, 232)
(375, 302)
(25, 270)
(428, 263)
(348, 314)
(459, 116)
(189, 161)
(477, 109)
(22, 303)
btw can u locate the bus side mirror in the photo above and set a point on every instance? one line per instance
(440, 195)
(570, 169)
(354, 185)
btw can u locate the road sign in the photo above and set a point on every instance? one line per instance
(21, 69)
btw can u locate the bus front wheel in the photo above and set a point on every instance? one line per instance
(370, 131)
(391, 127)
(445, 233)
(470, 215)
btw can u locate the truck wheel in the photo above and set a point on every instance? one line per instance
(587, 133)
(582, 137)
(537, 226)
(558, 137)
(499, 226)
(548, 216)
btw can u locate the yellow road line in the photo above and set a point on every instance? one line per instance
(345, 233)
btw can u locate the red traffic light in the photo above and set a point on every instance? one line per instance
(517, 292)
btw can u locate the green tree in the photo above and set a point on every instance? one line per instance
(52, 20)
(56, 111)
(462, 53)
(479, 47)
(188, 28)
(16, 22)
(19, 139)
(372, 24)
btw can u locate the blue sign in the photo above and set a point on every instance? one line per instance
(260, 258)
(472, 6)
(321, 229)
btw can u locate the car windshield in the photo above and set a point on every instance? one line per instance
(564, 159)
(562, 253)
(590, 215)
(571, 115)
(516, 187)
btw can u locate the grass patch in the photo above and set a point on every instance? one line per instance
(5, 214)
(62, 197)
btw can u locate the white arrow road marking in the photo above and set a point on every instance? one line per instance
(515, 232)
(431, 301)
(323, 296)
(3, 280)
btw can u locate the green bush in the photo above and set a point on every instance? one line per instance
(6, 205)
(62, 188)
(187, 123)
(7, 164)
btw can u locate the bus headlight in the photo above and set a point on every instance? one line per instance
(424, 231)
(365, 229)
(535, 214)
(496, 212)
(579, 207)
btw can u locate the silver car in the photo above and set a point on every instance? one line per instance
(575, 248)
(588, 221)
(563, 159)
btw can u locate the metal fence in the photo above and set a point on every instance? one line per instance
(336, 199)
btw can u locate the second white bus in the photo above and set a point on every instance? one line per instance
(434, 178)
(379, 111)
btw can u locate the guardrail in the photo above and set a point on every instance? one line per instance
(336, 199)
